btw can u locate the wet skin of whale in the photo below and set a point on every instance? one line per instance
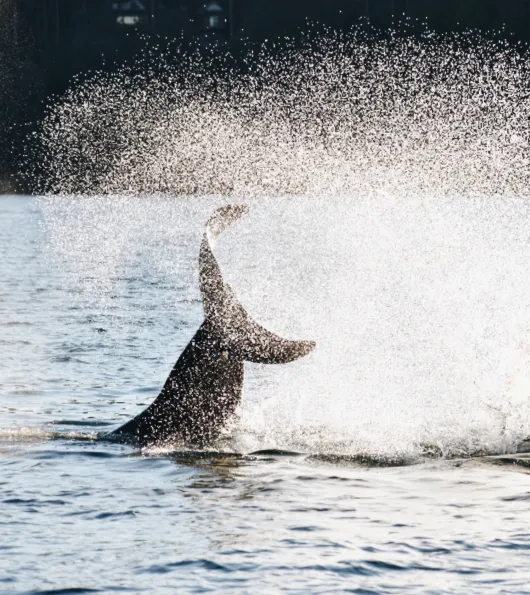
(204, 387)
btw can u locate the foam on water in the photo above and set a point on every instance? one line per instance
(28, 435)
(405, 253)
(24, 434)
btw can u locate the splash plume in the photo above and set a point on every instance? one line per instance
(407, 256)
(342, 113)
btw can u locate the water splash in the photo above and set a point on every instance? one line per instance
(404, 255)
(340, 114)
(419, 310)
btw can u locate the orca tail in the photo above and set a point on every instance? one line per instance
(254, 343)
(239, 334)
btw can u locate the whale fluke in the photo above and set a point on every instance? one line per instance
(204, 387)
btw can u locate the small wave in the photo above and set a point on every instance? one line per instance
(366, 460)
(520, 460)
(274, 452)
(64, 359)
(191, 455)
(75, 422)
(29, 435)
(72, 591)
(165, 568)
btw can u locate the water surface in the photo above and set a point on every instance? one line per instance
(79, 355)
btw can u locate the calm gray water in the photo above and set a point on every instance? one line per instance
(79, 355)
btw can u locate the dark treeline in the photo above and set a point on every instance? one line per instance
(43, 43)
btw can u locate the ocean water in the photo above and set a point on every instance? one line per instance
(379, 464)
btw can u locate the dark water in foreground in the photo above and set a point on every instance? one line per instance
(84, 516)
